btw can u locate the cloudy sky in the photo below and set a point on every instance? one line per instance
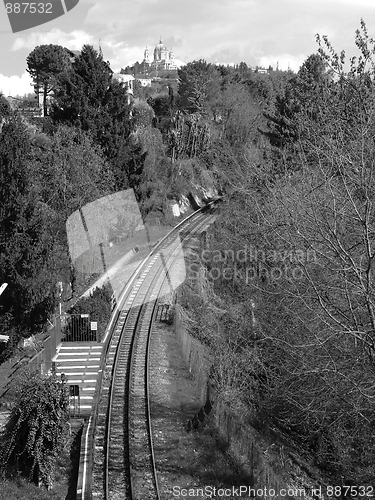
(259, 32)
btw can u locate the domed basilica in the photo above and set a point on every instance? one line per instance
(163, 58)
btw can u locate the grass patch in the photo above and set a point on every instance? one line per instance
(214, 464)
(20, 489)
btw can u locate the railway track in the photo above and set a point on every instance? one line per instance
(120, 458)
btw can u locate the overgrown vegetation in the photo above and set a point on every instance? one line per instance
(289, 279)
(163, 150)
(287, 292)
(34, 434)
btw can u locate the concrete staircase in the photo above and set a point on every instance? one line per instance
(80, 361)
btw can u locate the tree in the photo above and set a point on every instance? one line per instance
(117, 127)
(82, 91)
(69, 170)
(5, 109)
(26, 237)
(34, 434)
(243, 68)
(13, 180)
(303, 283)
(189, 137)
(240, 114)
(162, 107)
(304, 94)
(88, 98)
(199, 86)
(323, 320)
(143, 115)
(320, 291)
(45, 64)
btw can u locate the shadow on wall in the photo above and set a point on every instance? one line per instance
(199, 417)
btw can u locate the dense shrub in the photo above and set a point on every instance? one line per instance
(34, 434)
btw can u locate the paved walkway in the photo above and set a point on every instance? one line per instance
(80, 362)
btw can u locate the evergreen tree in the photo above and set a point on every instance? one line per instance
(304, 95)
(199, 87)
(82, 91)
(45, 63)
(26, 240)
(5, 109)
(91, 100)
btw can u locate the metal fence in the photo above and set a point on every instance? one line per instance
(79, 328)
(70, 328)
(42, 361)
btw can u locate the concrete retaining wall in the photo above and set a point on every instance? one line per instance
(196, 355)
(250, 450)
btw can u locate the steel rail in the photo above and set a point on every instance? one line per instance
(154, 311)
(87, 442)
(158, 289)
(130, 348)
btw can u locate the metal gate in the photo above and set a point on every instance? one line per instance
(78, 328)
(74, 400)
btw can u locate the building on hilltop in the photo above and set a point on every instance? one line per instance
(144, 82)
(28, 107)
(163, 64)
(163, 58)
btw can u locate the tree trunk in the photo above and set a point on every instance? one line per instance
(45, 100)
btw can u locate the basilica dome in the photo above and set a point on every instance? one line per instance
(163, 58)
(160, 52)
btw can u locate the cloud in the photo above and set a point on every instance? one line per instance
(16, 85)
(354, 3)
(73, 40)
(224, 30)
(258, 32)
(121, 57)
(194, 31)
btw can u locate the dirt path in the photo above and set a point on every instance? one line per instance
(185, 461)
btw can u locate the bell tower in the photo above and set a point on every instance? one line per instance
(146, 56)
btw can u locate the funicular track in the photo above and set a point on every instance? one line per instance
(120, 463)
